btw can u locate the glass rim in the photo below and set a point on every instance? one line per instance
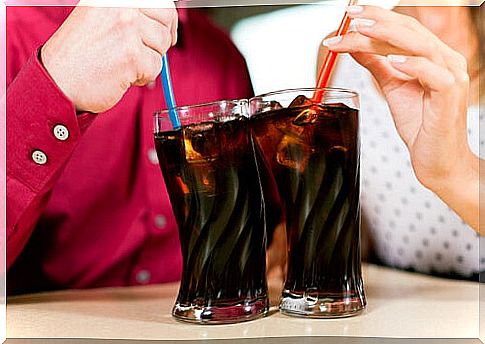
(159, 113)
(340, 90)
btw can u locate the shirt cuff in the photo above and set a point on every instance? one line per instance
(42, 126)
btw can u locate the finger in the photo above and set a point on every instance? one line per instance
(410, 34)
(149, 67)
(379, 66)
(380, 14)
(165, 12)
(412, 41)
(424, 37)
(455, 61)
(165, 16)
(354, 42)
(155, 35)
(175, 32)
(429, 74)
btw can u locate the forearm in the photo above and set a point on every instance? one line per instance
(461, 190)
(37, 111)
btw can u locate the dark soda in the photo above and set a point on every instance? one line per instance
(212, 180)
(312, 150)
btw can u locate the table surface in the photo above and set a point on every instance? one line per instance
(400, 304)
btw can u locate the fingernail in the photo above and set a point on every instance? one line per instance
(332, 41)
(355, 9)
(364, 23)
(397, 58)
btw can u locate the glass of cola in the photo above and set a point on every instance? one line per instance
(211, 175)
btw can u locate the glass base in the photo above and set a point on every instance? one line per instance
(244, 310)
(329, 306)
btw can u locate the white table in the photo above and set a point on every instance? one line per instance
(400, 304)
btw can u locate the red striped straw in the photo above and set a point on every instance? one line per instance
(331, 57)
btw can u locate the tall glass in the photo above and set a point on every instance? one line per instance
(312, 150)
(210, 171)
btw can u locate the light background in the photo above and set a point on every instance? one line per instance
(280, 43)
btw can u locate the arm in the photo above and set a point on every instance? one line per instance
(426, 85)
(460, 189)
(43, 127)
(32, 115)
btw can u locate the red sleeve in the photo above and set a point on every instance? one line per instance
(35, 106)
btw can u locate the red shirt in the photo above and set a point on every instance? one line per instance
(97, 213)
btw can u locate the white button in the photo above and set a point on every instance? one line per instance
(151, 85)
(160, 221)
(39, 157)
(61, 133)
(143, 276)
(152, 156)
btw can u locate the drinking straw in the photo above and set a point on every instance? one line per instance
(168, 93)
(331, 57)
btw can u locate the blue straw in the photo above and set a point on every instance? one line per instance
(168, 93)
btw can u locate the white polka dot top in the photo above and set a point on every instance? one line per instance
(411, 227)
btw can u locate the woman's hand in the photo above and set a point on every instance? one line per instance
(426, 85)
(98, 53)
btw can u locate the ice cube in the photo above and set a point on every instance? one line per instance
(190, 153)
(307, 116)
(309, 113)
(300, 101)
(200, 142)
(292, 152)
(286, 126)
(270, 106)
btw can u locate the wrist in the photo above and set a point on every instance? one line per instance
(50, 65)
(460, 188)
(464, 173)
